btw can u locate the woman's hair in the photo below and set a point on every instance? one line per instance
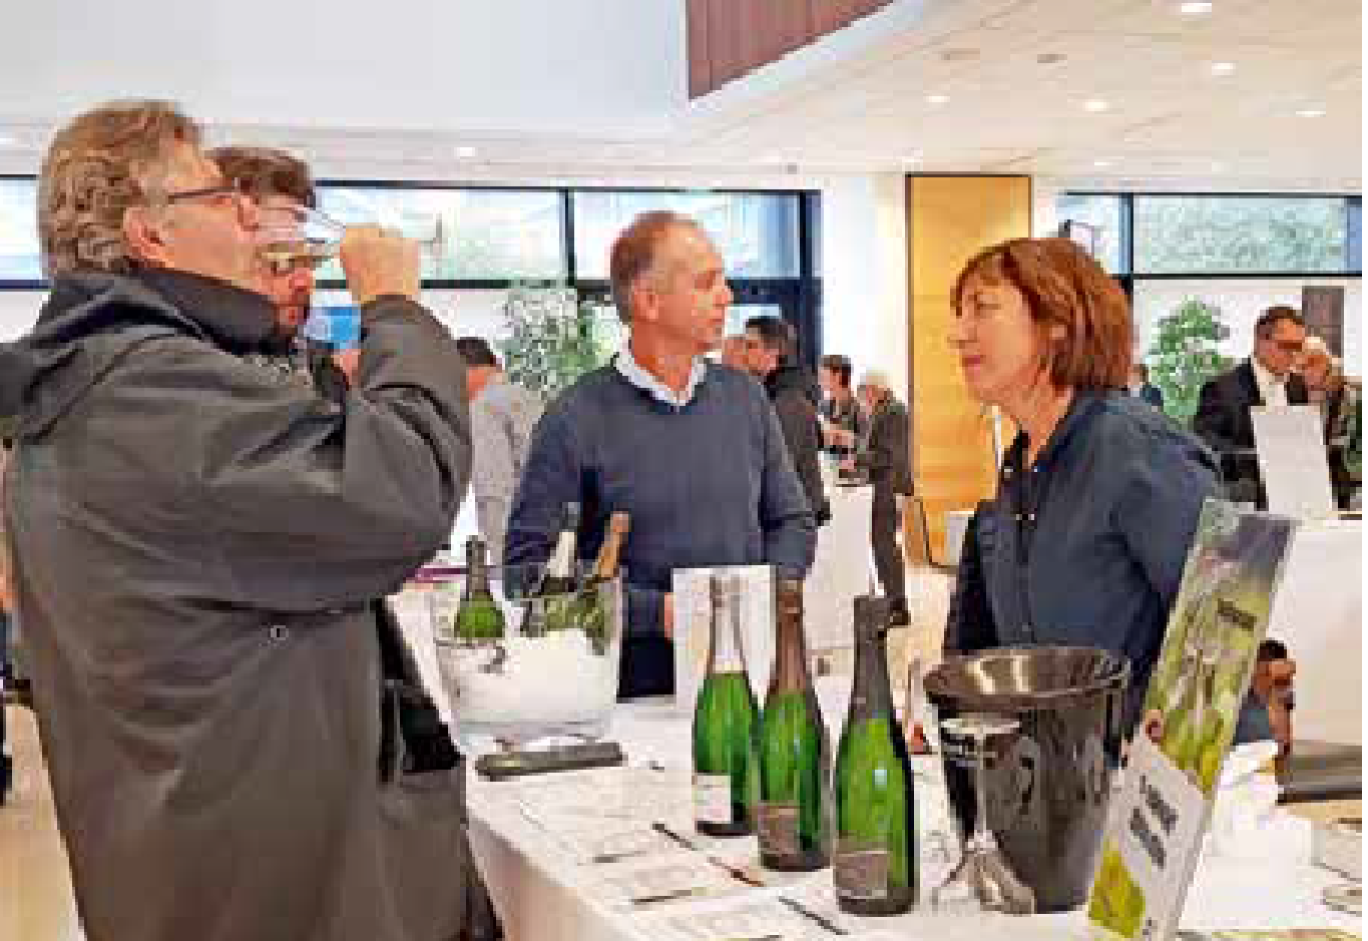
(1064, 288)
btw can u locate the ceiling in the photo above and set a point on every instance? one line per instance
(1014, 76)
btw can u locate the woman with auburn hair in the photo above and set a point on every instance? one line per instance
(1098, 497)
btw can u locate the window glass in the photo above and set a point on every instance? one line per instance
(756, 233)
(1239, 234)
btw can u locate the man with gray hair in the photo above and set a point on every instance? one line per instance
(692, 450)
(237, 742)
(887, 459)
(502, 416)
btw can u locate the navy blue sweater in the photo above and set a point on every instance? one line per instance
(707, 484)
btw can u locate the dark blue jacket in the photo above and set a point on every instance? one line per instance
(1088, 546)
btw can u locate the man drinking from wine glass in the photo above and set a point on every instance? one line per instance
(692, 450)
(238, 746)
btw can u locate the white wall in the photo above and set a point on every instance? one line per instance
(864, 259)
(544, 66)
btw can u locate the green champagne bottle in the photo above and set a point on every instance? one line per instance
(590, 612)
(548, 605)
(876, 830)
(478, 618)
(725, 726)
(793, 818)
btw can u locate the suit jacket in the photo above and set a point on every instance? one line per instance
(887, 455)
(1222, 418)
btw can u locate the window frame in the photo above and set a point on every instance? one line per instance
(800, 295)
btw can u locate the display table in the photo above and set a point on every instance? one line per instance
(1318, 614)
(544, 888)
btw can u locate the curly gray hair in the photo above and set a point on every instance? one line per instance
(99, 166)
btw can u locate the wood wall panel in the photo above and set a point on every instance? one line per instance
(700, 60)
(728, 38)
(949, 219)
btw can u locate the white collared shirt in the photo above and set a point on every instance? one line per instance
(1272, 389)
(637, 375)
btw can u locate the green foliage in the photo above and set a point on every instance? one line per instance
(1186, 354)
(552, 340)
(1176, 234)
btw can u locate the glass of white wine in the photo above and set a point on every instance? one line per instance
(293, 235)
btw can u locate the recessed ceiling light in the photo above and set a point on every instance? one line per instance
(1217, 166)
(1311, 113)
(1101, 164)
(1222, 68)
(1194, 7)
(7, 140)
(1096, 105)
(937, 99)
(465, 152)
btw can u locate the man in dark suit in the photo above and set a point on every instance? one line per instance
(887, 459)
(1266, 378)
(1142, 388)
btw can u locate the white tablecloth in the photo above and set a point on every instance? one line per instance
(542, 892)
(1318, 614)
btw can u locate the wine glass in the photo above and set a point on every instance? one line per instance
(297, 234)
(983, 876)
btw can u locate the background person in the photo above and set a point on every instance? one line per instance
(1266, 378)
(771, 357)
(886, 459)
(844, 422)
(502, 416)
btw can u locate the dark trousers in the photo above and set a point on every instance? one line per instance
(647, 667)
(883, 536)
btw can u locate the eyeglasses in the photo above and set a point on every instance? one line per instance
(1289, 346)
(219, 194)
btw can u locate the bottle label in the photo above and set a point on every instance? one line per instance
(860, 870)
(777, 827)
(712, 798)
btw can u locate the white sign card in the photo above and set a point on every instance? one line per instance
(1158, 818)
(692, 627)
(1293, 460)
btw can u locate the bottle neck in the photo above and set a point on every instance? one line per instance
(477, 571)
(725, 653)
(790, 654)
(562, 563)
(872, 693)
(606, 567)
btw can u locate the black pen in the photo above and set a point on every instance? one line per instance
(734, 871)
(812, 916)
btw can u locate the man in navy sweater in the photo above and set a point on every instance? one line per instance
(692, 450)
